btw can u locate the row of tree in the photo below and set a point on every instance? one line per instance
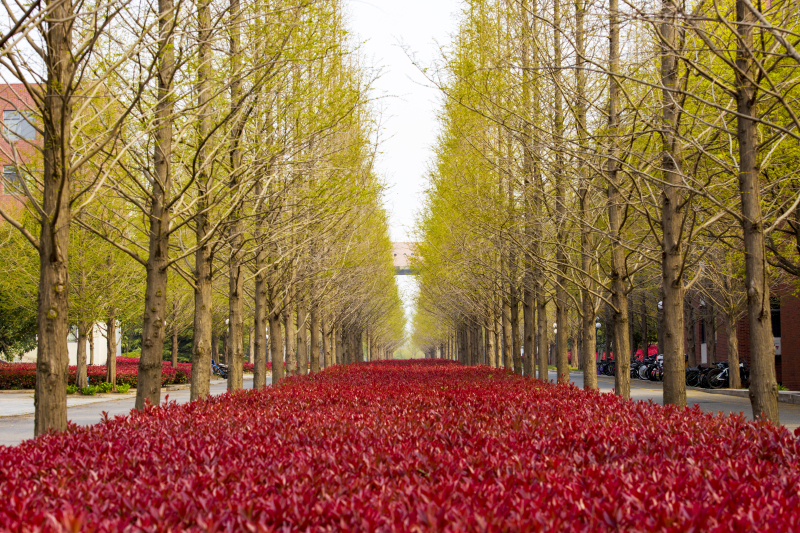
(205, 154)
(592, 153)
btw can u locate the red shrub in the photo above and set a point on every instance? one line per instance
(23, 375)
(250, 367)
(428, 446)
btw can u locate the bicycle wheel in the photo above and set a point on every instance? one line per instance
(717, 379)
(692, 378)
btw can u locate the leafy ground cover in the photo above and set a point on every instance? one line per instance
(23, 375)
(422, 446)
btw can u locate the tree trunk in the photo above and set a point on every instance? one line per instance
(91, 343)
(174, 347)
(588, 331)
(291, 335)
(491, 337)
(148, 386)
(734, 380)
(315, 359)
(763, 385)
(339, 340)
(236, 279)
(225, 351)
(260, 324)
(541, 332)
(711, 333)
(235, 342)
(203, 337)
(507, 342)
(81, 377)
(515, 347)
(671, 324)
(250, 344)
(619, 298)
(562, 318)
(52, 358)
(276, 347)
(111, 354)
(302, 338)
(645, 343)
(529, 336)
(326, 342)
(690, 337)
(215, 347)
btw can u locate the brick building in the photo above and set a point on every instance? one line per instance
(17, 143)
(785, 328)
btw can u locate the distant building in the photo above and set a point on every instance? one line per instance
(18, 140)
(403, 254)
(785, 308)
(100, 347)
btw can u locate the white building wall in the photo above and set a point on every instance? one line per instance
(100, 349)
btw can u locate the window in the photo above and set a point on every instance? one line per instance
(11, 182)
(775, 309)
(18, 126)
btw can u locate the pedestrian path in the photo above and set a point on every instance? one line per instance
(15, 428)
(709, 402)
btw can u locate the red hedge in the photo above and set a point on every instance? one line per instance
(23, 375)
(428, 446)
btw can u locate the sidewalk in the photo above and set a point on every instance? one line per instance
(784, 396)
(710, 401)
(20, 402)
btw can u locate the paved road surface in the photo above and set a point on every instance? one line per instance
(713, 403)
(15, 429)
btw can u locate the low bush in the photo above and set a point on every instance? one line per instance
(123, 388)
(421, 446)
(23, 375)
(91, 390)
(72, 389)
(104, 387)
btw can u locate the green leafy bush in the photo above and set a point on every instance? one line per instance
(91, 390)
(123, 388)
(72, 389)
(104, 387)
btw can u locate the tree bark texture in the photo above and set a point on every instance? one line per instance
(541, 333)
(763, 385)
(52, 359)
(302, 338)
(81, 374)
(236, 279)
(619, 297)
(111, 352)
(671, 325)
(203, 337)
(276, 347)
(315, 344)
(148, 386)
(174, 350)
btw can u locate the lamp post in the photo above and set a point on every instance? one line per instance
(597, 327)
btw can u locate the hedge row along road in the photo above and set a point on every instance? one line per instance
(428, 446)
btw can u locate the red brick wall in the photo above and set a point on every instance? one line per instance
(790, 341)
(14, 97)
(787, 371)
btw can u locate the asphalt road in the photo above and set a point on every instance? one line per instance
(711, 403)
(15, 429)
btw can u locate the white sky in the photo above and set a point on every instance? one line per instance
(408, 105)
